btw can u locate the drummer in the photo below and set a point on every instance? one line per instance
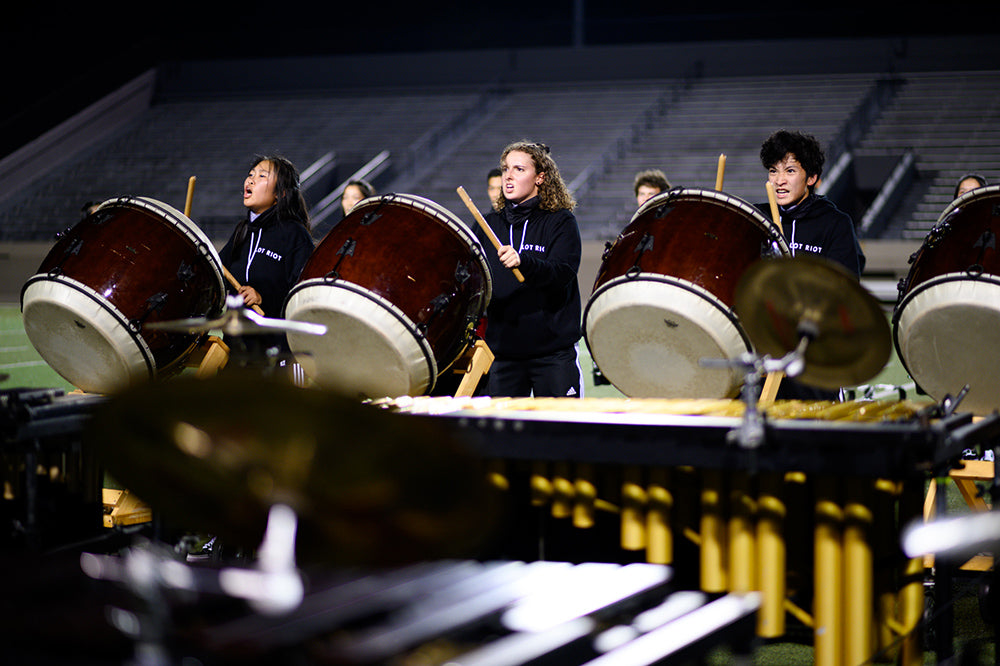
(648, 184)
(969, 182)
(355, 191)
(811, 223)
(493, 187)
(271, 244)
(533, 328)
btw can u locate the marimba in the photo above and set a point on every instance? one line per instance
(851, 475)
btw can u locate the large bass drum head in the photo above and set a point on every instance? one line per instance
(946, 325)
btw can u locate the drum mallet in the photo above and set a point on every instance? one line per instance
(485, 227)
(773, 379)
(225, 271)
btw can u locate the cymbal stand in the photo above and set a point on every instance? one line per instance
(750, 434)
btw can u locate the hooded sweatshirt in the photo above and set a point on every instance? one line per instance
(268, 254)
(542, 314)
(815, 225)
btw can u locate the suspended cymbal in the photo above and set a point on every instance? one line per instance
(368, 486)
(779, 300)
(238, 321)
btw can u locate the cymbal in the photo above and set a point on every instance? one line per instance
(368, 486)
(780, 300)
(238, 321)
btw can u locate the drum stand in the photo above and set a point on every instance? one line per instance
(209, 357)
(473, 364)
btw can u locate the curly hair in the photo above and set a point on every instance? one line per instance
(804, 147)
(552, 193)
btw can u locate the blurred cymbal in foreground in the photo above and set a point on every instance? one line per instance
(368, 486)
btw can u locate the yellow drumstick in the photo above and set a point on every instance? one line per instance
(484, 226)
(720, 172)
(190, 197)
(225, 271)
(775, 216)
(773, 379)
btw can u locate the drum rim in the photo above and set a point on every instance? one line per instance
(972, 194)
(199, 238)
(444, 215)
(988, 279)
(106, 306)
(673, 281)
(715, 196)
(401, 316)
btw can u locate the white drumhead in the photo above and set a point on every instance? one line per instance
(82, 336)
(371, 349)
(648, 335)
(947, 334)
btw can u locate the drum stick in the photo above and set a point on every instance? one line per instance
(720, 172)
(233, 281)
(484, 226)
(190, 197)
(225, 271)
(774, 206)
(773, 380)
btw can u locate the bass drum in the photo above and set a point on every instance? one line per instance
(401, 284)
(663, 298)
(131, 262)
(946, 323)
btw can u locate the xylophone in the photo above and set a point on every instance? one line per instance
(851, 475)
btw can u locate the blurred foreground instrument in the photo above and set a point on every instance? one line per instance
(368, 487)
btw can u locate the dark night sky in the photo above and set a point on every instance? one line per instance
(81, 51)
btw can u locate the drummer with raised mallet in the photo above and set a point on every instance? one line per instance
(533, 327)
(810, 222)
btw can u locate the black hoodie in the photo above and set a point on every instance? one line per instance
(817, 226)
(268, 254)
(541, 315)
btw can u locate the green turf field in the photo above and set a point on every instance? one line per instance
(25, 368)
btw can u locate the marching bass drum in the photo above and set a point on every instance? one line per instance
(946, 323)
(401, 284)
(663, 297)
(133, 261)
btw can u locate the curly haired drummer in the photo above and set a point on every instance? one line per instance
(533, 328)
(811, 223)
